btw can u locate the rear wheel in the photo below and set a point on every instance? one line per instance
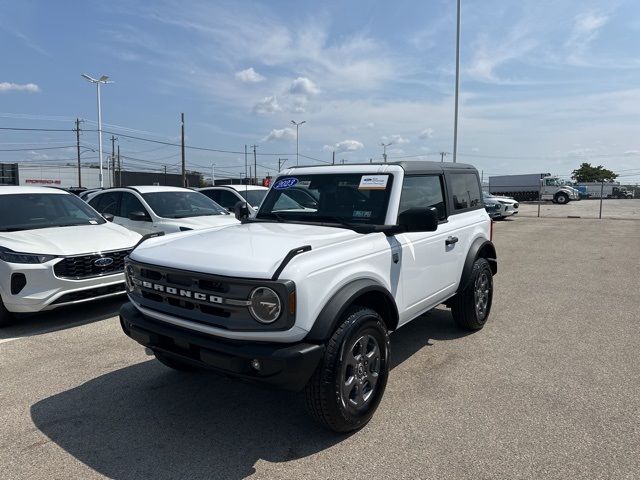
(346, 389)
(562, 198)
(470, 307)
(6, 318)
(174, 363)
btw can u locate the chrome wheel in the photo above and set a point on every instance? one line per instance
(360, 372)
(481, 295)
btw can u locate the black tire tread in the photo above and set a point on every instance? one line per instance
(6, 318)
(316, 399)
(462, 305)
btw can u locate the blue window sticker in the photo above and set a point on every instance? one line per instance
(285, 183)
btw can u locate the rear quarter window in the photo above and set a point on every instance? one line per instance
(464, 190)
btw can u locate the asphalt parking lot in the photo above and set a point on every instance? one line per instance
(548, 389)
(611, 208)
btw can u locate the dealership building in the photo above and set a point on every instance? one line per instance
(66, 176)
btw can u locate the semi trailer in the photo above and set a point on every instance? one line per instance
(533, 186)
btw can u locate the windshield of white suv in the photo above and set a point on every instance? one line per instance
(182, 204)
(342, 198)
(27, 211)
(253, 197)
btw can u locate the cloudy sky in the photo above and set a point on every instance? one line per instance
(545, 85)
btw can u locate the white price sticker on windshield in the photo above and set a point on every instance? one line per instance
(373, 182)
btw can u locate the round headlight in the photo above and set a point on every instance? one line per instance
(265, 305)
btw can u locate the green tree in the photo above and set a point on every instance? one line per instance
(588, 173)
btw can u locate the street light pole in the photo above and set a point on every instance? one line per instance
(455, 115)
(213, 174)
(97, 82)
(297, 136)
(384, 150)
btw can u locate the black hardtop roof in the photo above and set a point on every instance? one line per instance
(414, 167)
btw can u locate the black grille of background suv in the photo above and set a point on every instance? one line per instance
(83, 266)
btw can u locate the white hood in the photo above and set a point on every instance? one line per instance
(204, 221)
(252, 250)
(74, 240)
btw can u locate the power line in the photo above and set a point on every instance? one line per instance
(34, 149)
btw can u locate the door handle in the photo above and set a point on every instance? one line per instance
(451, 241)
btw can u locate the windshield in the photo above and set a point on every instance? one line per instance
(27, 211)
(182, 204)
(254, 197)
(343, 198)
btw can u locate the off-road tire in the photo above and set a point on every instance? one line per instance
(6, 318)
(465, 305)
(325, 392)
(174, 363)
(562, 198)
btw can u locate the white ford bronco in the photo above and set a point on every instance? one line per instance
(303, 295)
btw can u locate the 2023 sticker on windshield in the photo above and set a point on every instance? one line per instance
(285, 183)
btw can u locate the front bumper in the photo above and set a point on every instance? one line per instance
(287, 366)
(45, 291)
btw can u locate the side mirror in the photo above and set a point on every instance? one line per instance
(241, 210)
(138, 216)
(108, 217)
(418, 219)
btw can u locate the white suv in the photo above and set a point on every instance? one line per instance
(229, 195)
(56, 250)
(149, 209)
(304, 296)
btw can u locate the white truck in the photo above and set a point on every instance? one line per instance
(604, 190)
(533, 186)
(304, 297)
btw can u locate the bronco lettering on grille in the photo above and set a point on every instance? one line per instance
(203, 297)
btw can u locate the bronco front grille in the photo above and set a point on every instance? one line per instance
(92, 265)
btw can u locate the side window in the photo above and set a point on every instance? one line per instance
(212, 194)
(227, 199)
(423, 191)
(129, 203)
(106, 203)
(465, 191)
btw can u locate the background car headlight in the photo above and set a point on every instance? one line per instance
(265, 305)
(16, 257)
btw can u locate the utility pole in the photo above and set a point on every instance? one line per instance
(184, 173)
(342, 161)
(246, 170)
(281, 162)
(442, 155)
(213, 174)
(165, 174)
(333, 158)
(119, 169)
(255, 165)
(455, 115)
(78, 149)
(112, 178)
(297, 124)
(384, 150)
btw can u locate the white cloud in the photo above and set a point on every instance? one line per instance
(267, 105)
(586, 28)
(347, 146)
(303, 86)
(280, 135)
(426, 134)
(19, 87)
(631, 153)
(395, 139)
(249, 76)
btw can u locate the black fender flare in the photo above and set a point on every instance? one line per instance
(479, 248)
(333, 310)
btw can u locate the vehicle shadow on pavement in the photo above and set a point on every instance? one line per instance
(27, 325)
(146, 421)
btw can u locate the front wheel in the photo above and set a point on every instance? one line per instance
(346, 389)
(562, 198)
(470, 307)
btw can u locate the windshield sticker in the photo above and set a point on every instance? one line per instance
(285, 183)
(361, 214)
(373, 182)
(93, 222)
(304, 183)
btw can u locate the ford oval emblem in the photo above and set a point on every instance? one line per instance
(103, 262)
